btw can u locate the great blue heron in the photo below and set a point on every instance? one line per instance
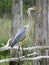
(21, 34)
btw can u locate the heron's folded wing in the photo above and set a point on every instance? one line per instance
(19, 36)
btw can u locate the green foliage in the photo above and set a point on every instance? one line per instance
(5, 6)
(27, 63)
(4, 63)
(5, 30)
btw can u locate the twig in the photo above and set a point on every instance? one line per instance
(23, 59)
(32, 54)
(7, 43)
(25, 49)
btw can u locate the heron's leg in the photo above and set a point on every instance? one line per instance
(21, 44)
(22, 49)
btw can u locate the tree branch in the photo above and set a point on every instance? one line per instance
(23, 59)
(6, 47)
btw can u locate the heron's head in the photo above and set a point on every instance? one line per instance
(33, 8)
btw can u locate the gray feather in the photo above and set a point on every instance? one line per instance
(19, 36)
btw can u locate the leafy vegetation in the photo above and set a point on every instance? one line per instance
(5, 31)
(4, 63)
(5, 6)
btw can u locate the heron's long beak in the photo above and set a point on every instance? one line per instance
(33, 8)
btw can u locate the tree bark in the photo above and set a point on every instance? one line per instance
(48, 34)
(16, 24)
(41, 28)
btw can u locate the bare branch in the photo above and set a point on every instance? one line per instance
(23, 59)
(7, 60)
(29, 48)
(8, 42)
(7, 47)
(30, 55)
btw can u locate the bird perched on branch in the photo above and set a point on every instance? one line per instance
(21, 34)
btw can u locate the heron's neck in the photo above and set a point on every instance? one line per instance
(30, 23)
(30, 20)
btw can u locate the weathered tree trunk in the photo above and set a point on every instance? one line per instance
(48, 34)
(41, 28)
(16, 24)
